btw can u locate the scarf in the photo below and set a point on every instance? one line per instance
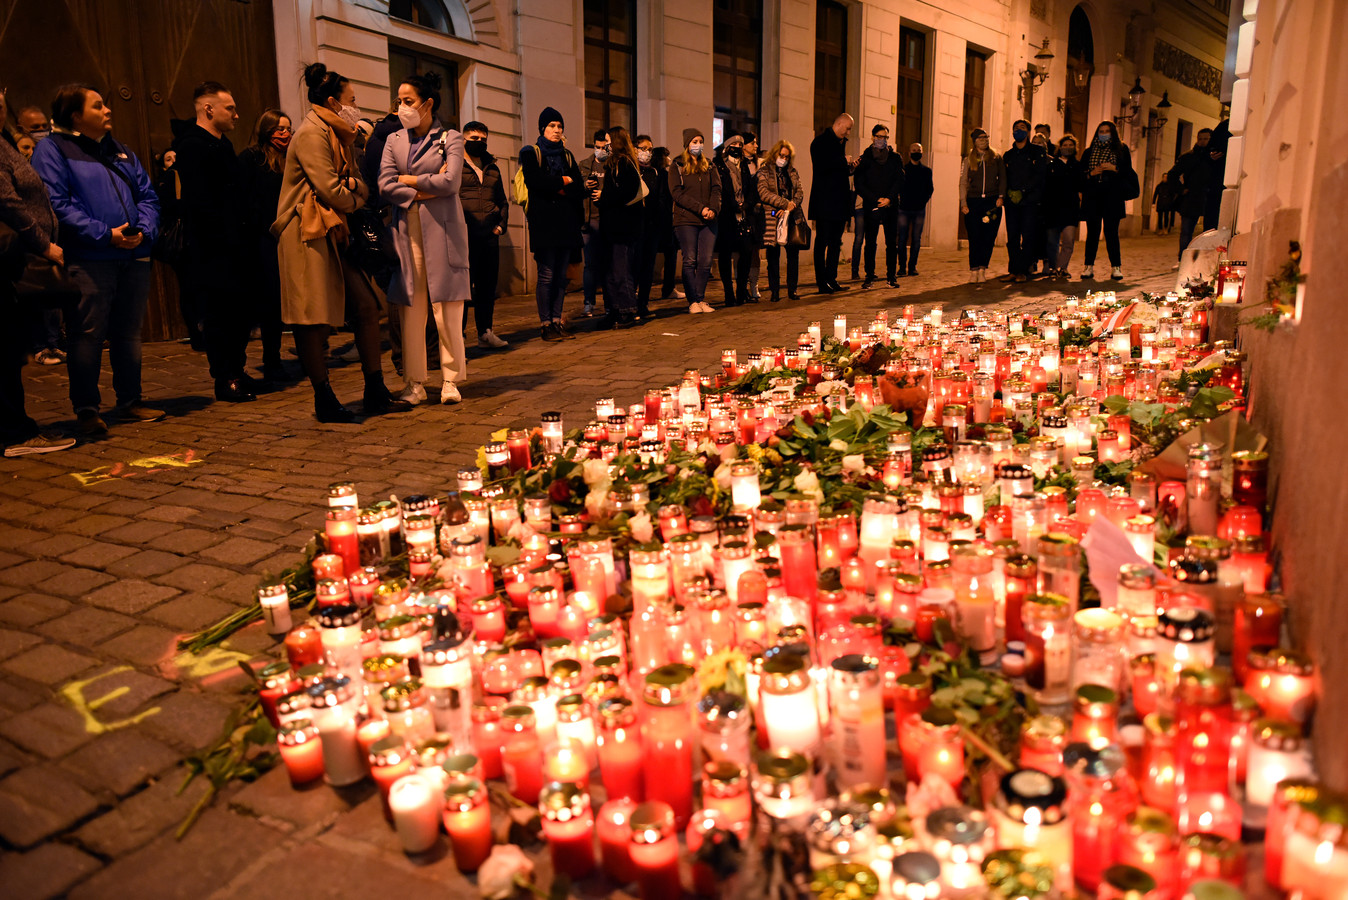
(344, 136)
(1099, 154)
(552, 154)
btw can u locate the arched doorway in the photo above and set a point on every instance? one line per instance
(1080, 66)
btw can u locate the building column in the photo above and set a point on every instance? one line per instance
(945, 155)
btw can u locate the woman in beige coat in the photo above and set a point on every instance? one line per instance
(320, 287)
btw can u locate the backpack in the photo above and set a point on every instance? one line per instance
(519, 190)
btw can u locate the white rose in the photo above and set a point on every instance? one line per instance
(596, 503)
(854, 462)
(496, 877)
(596, 472)
(808, 483)
(642, 529)
(838, 445)
(722, 476)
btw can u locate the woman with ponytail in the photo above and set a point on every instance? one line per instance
(320, 288)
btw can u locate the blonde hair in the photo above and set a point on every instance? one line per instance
(975, 159)
(777, 149)
(693, 165)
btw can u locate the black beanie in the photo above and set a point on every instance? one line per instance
(547, 116)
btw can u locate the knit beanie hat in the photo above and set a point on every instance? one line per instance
(690, 133)
(548, 116)
(978, 133)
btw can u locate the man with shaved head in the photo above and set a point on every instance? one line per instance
(831, 200)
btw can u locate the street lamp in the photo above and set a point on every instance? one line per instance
(1159, 120)
(1036, 71)
(1129, 108)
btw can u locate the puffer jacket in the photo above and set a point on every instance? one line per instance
(485, 206)
(90, 200)
(771, 181)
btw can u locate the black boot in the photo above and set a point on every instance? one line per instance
(378, 400)
(327, 408)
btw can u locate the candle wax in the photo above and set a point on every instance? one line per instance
(470, 836)
(572, 845)
(620, 764)
(416, 813)
(304, 762)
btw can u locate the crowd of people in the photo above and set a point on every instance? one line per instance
(320, 216)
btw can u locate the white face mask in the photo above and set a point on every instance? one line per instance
(410, 116)
(350, 115)
(644, 157)
(781, 163)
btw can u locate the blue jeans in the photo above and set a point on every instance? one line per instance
(596, 254)
(698, 243)
(910, 233)
(551, 283)
(1061, 241)
(113, 295)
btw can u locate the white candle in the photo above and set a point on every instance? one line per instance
(416, 814)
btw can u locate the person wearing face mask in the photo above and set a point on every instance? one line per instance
(1110, 182)
(982, 185)
(213, 210)
(753, 244)
(320, 287)
(260, 168)
(1026, 167)
(831, 200)
(879, 180)
(1062, 207)
(1040, 238)
(420, 176)
(487, 212)
(655, 216)
(593, 169)
(695, 187)
(555, 212)
(33, 122)
(734, 229)
(781, 193)
(913, 199)
(109, 218)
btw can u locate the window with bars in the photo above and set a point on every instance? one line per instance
(737, 64)
(404, 63)
(610, 65)
(830, 62)
(912, 87)
(426, 13)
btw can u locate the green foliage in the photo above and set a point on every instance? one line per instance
(242, 752)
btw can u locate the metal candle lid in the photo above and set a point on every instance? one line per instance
(1099, 763)
(719, 710)
(464, 794)
(651, 822)
(842, 828)
(562, 801)
(402, 695)
(616, 712)
(331, 691)
(1129, 882)
(275, 675)
(845, 881)
(339, 615)
(1185, 624)
(917, 867)
(1193, 570)
(1028, 794)
(782, 773)
(670, 685)
(389, 751)
(1271, 734)
(297, 732)
(957, 825)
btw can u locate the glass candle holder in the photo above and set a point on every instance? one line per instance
(960, 839)
(1276, 754)
(1203, 732)
(1184, 639)
(668, 756)
(1136, 591)
(301, 751)
(931, 744)
(417, 808)
(857, 720)
(1020, 578)
(1146, 841)
(568, 827)
(1099, 649)
(1283, 684)
(1095, 714)
(467, 820)
(1048, 646)
(654, 850)
(1157, 783)
(1042, 740)
(339, 530)
(790, 705)
(725, 788)
(1100, 795)
(1059, 560)
(975, 599)
(521, 753)
(1210, 856)
(274, 599)
(1290, 797)
(1030, 811)
(331, 710)
(839, 832)
(1258, 626)
(782, 787)
(343, 494)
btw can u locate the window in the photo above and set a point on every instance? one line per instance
(830, 62)
(426, 13)
(912, 87)
(737, 64)
(975, 83)
(610, 65)
(403, 63)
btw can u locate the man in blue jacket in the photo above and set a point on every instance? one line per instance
(109, 218)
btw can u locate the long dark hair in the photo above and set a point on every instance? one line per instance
(322, 84)
(266, 125)
(1114, 142)
(620, 147)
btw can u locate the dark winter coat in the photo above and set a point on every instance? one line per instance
(831, 196)
(620, 220)
(987, 181)
(373, 155)
(655, 209)
(917, 188)
(261, 189)
(555, 210)
(737, 214)
(1102, 194)
(693, 192)
(1026, 169)
(1195, 174)
(485, 206)
(1062, 192)
(23, 199)
(879, 176)
(90, 200)
(214, 203)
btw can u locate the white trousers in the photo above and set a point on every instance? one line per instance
(448, 320)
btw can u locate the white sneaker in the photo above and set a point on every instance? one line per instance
(707, 307)
(1116, 273)
(414, 393)
(1175, 267)
(449, 393)
(698, 308)
(679, 294)
(1088, 273)
(488, 338)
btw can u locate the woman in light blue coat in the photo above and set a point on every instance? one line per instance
(419, 176)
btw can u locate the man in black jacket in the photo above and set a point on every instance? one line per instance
(879, 179)
(1194, 172)
(213, 213)
(830, 200)
(486, 210)
(913, 200)
(1026, 166)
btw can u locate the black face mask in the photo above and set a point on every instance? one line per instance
(475, 147)
(915, 156)
(734, 151)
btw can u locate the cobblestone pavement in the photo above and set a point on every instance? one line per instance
(112, 550)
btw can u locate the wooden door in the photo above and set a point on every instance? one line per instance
(144, 57)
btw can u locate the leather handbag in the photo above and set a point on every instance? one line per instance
(798, 234)
(370, 246)
(45, 284)
(171, 244)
